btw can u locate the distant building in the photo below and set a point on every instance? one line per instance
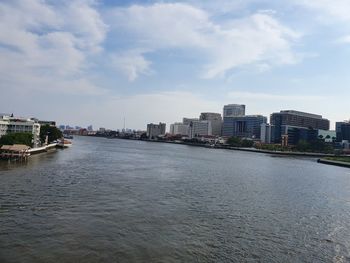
(50, 123)
(327, 136)
(266, 133)
(248, 126)
(179, 128)
(297, 125)
(62, 127)
(199, 128)
(215, 119)
(89, 128)
(102, 129)
(154, 130)
(293, 135)
(187, 121)
(342, 131)
(234, 110)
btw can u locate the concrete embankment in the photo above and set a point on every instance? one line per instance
(42, 149)
(336, 163)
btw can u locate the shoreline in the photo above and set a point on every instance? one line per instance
(300, 154)
(335, 163)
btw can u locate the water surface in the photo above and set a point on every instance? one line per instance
(109, 200)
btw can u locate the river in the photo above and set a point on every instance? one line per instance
(110, 200)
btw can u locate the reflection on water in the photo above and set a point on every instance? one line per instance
(129, 201)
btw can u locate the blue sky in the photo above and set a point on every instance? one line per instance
(96, 62)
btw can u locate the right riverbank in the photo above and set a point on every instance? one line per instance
(343, 161)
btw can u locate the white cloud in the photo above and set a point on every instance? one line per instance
(343, 40)
(258, 38)
(48, 44)
(132, 64)
(272, 97)
(338, 9)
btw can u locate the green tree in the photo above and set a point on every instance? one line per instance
(303, 146)
(17, 138)
(247, 143)
(234, 141)
(52, 132)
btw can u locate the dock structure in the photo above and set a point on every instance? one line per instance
(14, 152)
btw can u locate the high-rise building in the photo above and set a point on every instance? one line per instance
(215, 120)
(296, 125)
(234, 110)
(267, 133)
(154, 130)
(248, 126)
(187, 121)
(199, 128)
(342, 131)
(89, 128)
(179, 128)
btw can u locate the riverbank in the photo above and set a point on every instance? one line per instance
(286, 153)
(334, 162)
(42, 149)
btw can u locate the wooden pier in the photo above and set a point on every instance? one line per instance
(14, 152)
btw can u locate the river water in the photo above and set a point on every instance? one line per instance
(115, 200)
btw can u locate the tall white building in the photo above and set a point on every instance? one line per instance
(187, 121)
(199, 128)
(179, 128)
(234, 110)
(267, 133)
(9, 124)
(215, 120)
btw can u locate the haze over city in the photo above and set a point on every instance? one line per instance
(96, 62)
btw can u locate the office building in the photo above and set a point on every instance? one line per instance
(155, 130)
(248, 126)
(179, 128)
(266, 133)
(234, 110)
(215, 120)
(199, 128)
(342, 131)
(187, 121)
(290, 123)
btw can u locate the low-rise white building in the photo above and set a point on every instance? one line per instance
(10, 124)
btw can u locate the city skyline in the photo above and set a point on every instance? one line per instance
(98, 62)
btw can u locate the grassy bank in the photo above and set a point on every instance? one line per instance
(345, 159)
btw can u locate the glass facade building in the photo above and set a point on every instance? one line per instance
(248, 126)
(287, 120)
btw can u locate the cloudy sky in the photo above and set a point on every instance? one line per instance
(83, 62)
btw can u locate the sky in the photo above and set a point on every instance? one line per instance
(83, 62)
